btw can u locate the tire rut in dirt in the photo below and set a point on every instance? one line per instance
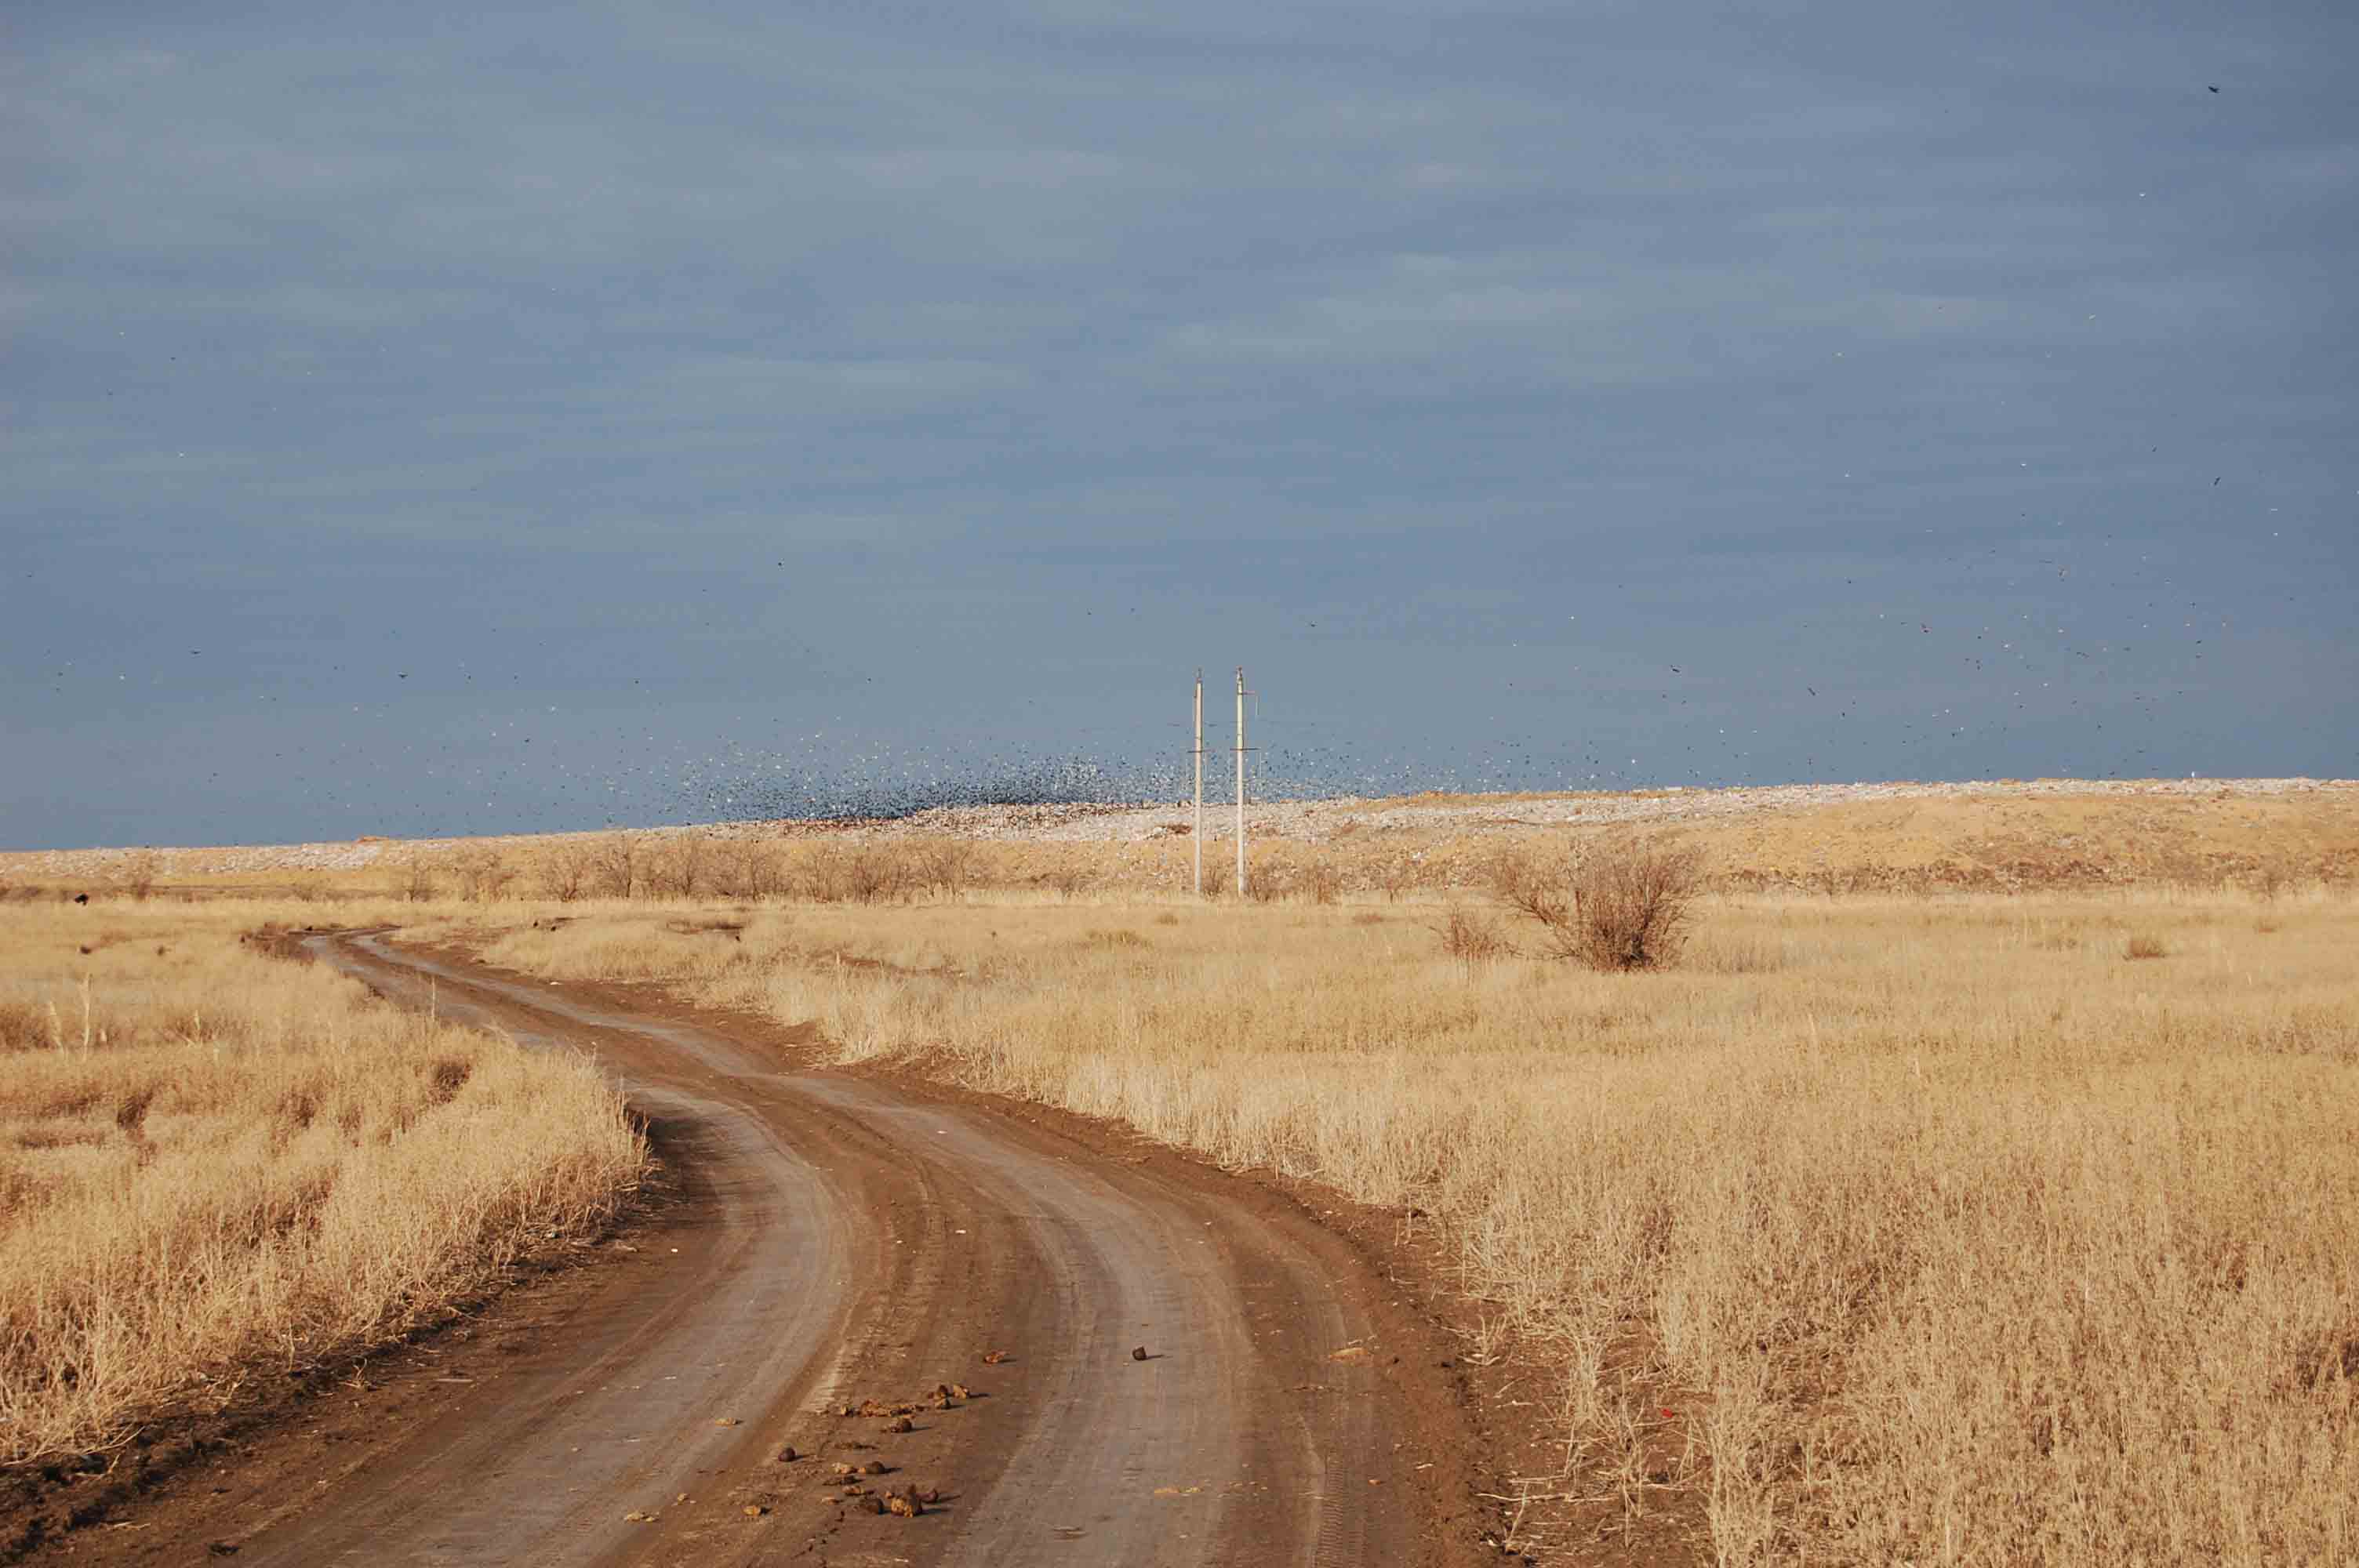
(1235, 1441)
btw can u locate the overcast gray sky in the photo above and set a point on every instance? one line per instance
(417, 422)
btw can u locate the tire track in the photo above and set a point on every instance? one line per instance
(848, 1238)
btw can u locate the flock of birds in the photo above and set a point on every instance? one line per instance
(2102, 657)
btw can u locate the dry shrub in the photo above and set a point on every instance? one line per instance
(867, 872)
(811, 873)
(680, 867)
(2145, 948)
(1835, 881)
(1619, 903)
(27, 1025)
(418, 882)
(615, 866)
(567, 869)
(1320, 879)
(878, 873)
(1066, 877)
(139, 872)
(692, 865)
(1471, 939)
(945, 866)
(481, 872)
(745, 868)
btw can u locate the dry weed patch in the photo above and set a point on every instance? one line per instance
(215, 1166)
(1967, 1241)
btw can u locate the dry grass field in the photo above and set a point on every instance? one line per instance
(1967, 1228)
(218, 1167)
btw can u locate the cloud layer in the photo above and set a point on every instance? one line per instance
(421, 422)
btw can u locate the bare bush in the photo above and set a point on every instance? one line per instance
(1216, 875)
(139, 872)
(946, 866)
(616, 860)
(744, 869)
(1619, 905)
(812, 874)
(2274, 876)
(856, 873)
(681, 866)
(1069, 879)
(1835, 881)
(1473, 939)
(481, 873)
(1320, 879)
(878, 873)
(568, 870)
(418, 882)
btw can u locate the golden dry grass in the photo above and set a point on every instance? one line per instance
(215, 1165)
(1966, 1237)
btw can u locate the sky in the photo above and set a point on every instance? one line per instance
(423, 422)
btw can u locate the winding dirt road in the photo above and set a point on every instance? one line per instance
(843, 1238)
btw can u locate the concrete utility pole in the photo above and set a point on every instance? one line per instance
(1241, 781)
(1199, 783)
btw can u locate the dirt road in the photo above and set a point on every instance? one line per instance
(841, 1239)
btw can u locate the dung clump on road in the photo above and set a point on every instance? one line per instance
(1138, 1353)
(941, 1397)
